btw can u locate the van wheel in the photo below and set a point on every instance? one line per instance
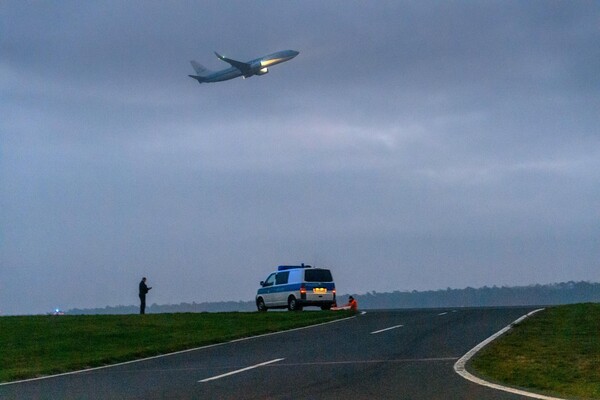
(260, 304)
(293, 304)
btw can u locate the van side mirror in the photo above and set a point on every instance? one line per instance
(262, 283)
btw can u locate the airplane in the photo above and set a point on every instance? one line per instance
(257, 66)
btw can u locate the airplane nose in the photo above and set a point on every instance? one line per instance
(294, 53)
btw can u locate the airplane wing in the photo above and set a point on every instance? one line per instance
(242, 66)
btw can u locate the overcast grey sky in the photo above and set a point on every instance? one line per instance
(410, 146)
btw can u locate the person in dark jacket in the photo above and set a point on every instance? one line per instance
(143, 290)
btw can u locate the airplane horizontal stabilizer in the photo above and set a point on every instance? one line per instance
(200, 79)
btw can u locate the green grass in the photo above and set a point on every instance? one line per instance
(556, 352)
(32, 346)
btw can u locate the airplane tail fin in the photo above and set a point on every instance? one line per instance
(200, 69)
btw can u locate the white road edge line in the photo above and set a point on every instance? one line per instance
(241, 370)
(386, 329)
(460, 365)
(170, 354)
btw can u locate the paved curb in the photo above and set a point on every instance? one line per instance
(459, 366)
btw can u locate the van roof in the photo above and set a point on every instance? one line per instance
(288, 267)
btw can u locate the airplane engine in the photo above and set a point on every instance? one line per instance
(258, 69)
(256, 66)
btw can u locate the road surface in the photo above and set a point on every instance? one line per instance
(397, 354)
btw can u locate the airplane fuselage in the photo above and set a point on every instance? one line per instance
(223, 75)
(258, 66)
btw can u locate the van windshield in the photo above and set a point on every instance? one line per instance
(318, 275)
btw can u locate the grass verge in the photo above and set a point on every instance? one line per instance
(556, 352)
(33, 346)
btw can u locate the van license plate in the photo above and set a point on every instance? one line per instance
(319, 290)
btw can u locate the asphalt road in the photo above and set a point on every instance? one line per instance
(399, 354)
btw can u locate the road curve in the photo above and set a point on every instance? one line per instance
(394, 354)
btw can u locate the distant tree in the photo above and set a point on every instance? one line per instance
(552, 294)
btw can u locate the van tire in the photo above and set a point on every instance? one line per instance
(260, 304)
(293, 304)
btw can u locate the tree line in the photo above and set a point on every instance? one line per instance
(546, 295)
(553, 294)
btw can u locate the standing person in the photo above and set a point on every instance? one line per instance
(143, 290)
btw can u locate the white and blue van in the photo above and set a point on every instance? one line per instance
(295, 287)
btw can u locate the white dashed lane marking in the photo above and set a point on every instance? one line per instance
(386, 329)
(241, 370)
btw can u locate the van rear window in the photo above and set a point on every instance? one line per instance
(318, 275)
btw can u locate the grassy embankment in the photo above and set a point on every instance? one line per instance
(555, 352)
(34, 346)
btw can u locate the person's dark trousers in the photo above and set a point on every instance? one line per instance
(142, 304)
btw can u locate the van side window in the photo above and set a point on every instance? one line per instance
(270, 280)
(282, 278)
